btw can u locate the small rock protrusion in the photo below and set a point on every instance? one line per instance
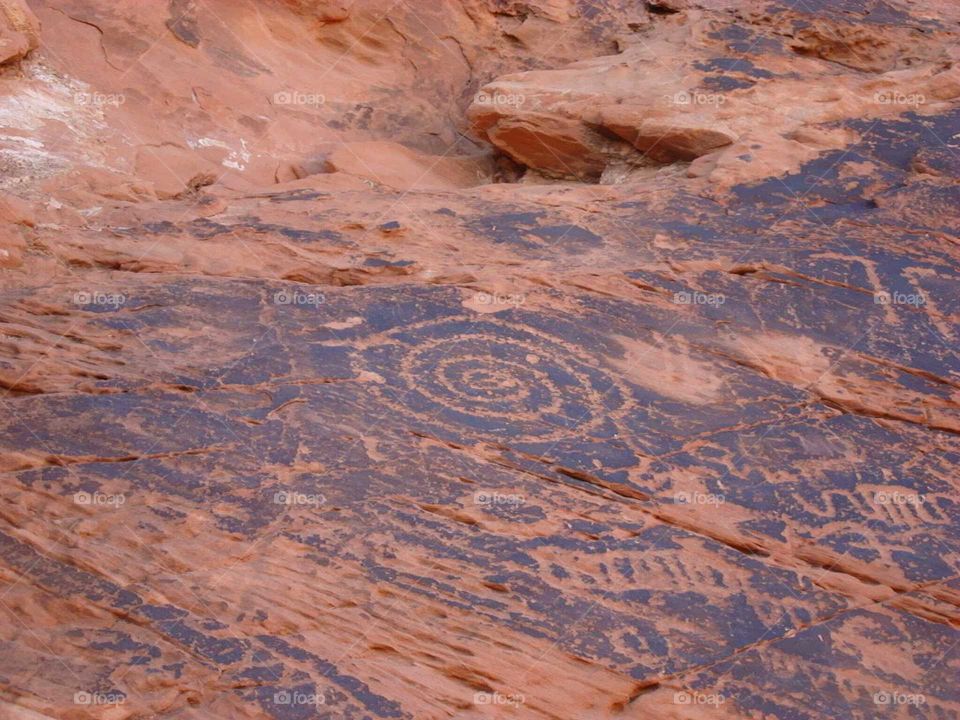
(19, 31)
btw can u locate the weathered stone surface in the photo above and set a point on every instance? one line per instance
(322, 10)
(696, 79)
(19, 30)
(400, 168)
(668, 140)
(329, 423)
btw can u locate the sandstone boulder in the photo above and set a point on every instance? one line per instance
(19, 30)
(664, 140)
(553, 144)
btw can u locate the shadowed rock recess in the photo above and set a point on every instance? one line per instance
(568, 359)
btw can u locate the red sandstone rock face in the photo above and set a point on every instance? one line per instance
(672, 94)
(479, 359)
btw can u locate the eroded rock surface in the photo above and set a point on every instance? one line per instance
(19, 31)
(738, 78)
(481, 359)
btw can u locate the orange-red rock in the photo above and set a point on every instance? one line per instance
(19, 30)
(534, 359)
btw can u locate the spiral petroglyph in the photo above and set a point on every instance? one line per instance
(498, 380)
